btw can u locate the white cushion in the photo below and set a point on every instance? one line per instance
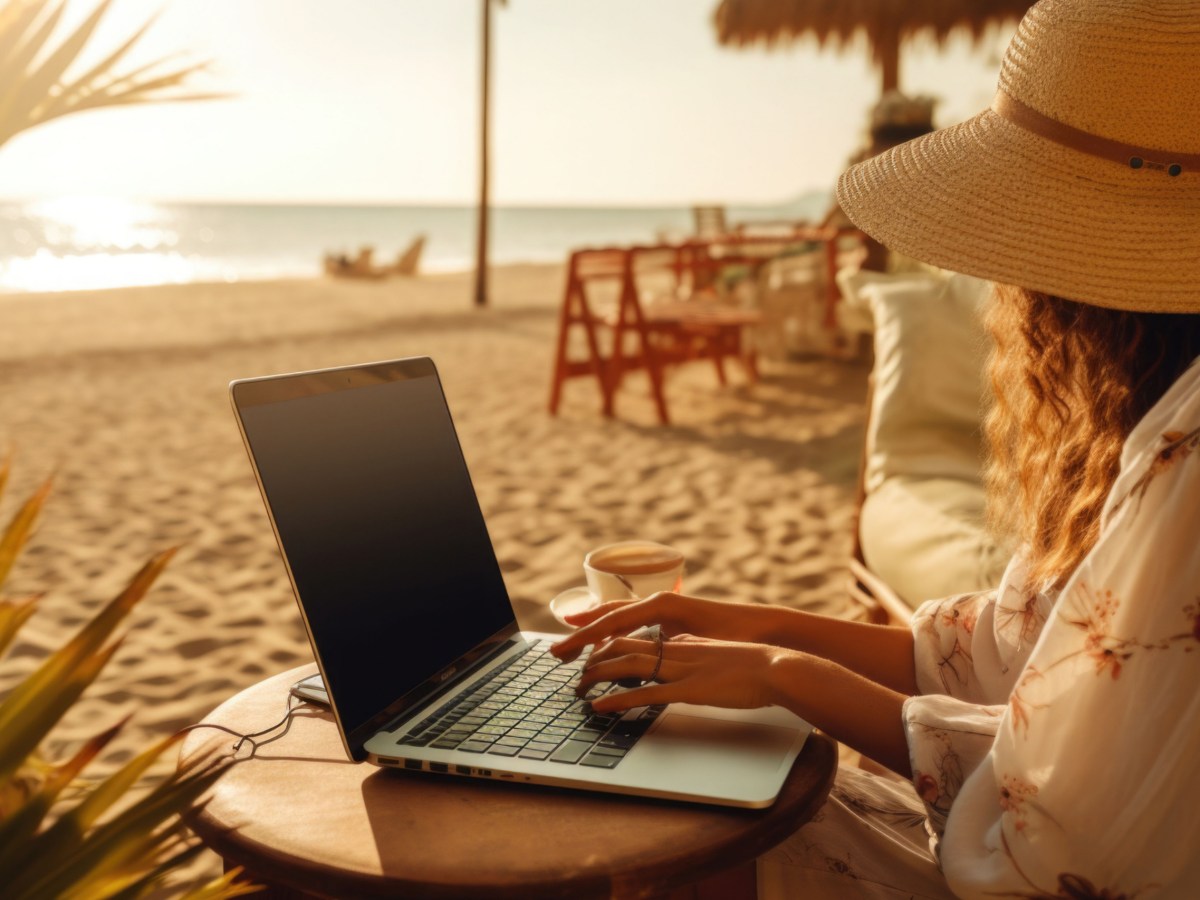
(927, 405)
(925, 538)
(921, 524)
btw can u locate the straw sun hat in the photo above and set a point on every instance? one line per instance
(1083, 177)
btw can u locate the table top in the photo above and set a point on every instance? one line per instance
(302, 815)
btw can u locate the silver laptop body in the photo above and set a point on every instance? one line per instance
(381, 533)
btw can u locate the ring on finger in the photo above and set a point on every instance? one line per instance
(658, 642)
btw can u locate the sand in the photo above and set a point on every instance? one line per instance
(122, 394)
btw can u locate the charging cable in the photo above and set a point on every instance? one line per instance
(253, 737)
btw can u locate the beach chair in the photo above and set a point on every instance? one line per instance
(409, 259)
(709, 221)
(636, 311)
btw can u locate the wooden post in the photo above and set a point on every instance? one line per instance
(481, 234)
(887, 51)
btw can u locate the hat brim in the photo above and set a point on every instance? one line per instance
(990, 199)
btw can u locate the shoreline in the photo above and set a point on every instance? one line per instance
(428, 272)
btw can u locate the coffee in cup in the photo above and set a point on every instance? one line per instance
(633, 569)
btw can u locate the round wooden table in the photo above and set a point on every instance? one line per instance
(300, 816)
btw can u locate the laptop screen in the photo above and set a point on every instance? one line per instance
(379, 522)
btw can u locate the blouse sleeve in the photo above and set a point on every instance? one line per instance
(1090, 786)
(973, 646)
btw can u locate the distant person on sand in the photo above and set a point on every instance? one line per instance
(1050, 727)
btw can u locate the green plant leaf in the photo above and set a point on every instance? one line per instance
(132, 886)
(28, 718)
(21, 527)
(28, 713)
(18, 828)
(13, 614)
(223, 887)
(131, 835)
(72, 824)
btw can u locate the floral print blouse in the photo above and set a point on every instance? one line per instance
(1056, 740)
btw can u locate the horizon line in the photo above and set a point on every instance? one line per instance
(797, 197)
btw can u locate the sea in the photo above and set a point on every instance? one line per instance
(84, 243)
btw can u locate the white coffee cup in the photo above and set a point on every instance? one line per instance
(632, 569)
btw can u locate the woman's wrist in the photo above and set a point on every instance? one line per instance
(788, 675)
(852, 709)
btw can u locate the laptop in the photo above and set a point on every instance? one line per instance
(416, 640)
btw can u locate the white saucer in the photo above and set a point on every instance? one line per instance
(571, 601)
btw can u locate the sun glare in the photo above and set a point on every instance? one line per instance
(93, 242)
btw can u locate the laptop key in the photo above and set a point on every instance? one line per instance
(619, 741)
(600, 761)
(474, 746)
(533, 753)
(608, 751)
(445, 743)
(503, 750)
(571, 752)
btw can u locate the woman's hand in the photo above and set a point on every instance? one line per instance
(693, 670)
(674, 613)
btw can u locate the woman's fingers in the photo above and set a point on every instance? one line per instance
(621, 619)
(588, 616)
(620, 647)
(639, 666)
(648, 695)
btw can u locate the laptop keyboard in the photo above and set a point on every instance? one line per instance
(528, 709)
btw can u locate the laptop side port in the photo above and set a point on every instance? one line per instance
(462, 770)
(438, 767)
(413, 764)
(388, 761)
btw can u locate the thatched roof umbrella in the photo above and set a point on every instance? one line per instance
(886, 23)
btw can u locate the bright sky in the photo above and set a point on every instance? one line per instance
(594, 101)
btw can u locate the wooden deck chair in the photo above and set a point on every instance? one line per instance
(587, 271)
(641, 334)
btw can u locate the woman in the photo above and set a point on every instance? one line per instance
(1050, 727)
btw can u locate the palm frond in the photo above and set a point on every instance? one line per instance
(35, 82)
(41, 80)
(29, 44)
(88, 79)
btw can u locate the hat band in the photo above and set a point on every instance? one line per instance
(1074, 138)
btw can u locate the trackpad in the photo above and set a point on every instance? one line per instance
(767, 744)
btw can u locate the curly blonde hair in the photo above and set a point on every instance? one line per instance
(1069, 382)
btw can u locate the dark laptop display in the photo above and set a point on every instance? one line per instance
(381, 525)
